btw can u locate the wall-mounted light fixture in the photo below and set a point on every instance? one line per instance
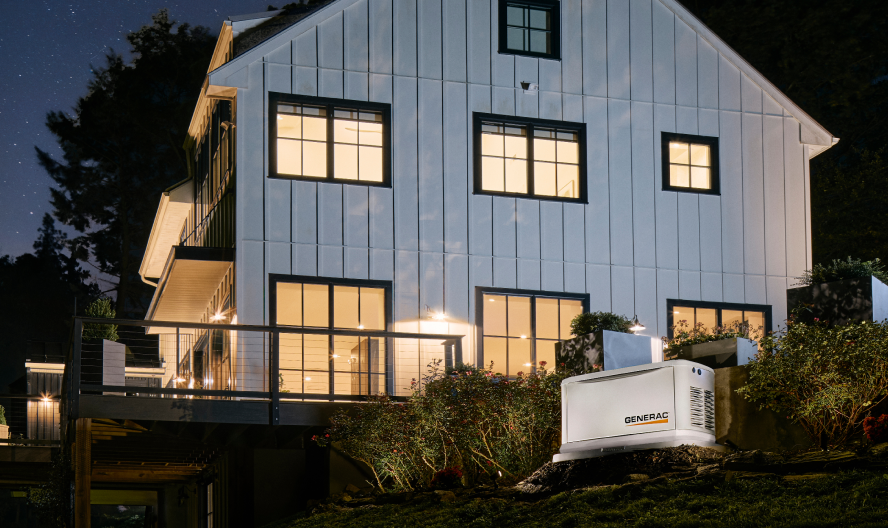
(530, 87)
(437, 316)
(636, 326)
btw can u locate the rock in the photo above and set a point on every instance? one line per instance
(445, 496)
(345, 497)
(352, 489)
(635, 477)
(879, 450)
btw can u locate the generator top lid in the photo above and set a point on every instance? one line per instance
(637, 368)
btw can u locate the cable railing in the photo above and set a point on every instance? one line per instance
(209, 361)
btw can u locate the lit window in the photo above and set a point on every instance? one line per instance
(690, 163)
(321, 140)
(529, 27)
(529, 157)
(688, 315)
(517, 341)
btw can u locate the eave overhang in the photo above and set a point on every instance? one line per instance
(175, 206)
(186, 287)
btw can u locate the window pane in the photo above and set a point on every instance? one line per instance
(289, 126)
(700, 178)
(316, 305)
(568, 181)
(345, 164)
(678, 153)
(544, 179)
(539, 41)
(546, 318)
(494, 315)
(707, 316)
(539, 19)
(495, 351)
(289, 304)
(516, 175)
(291, 354)
(373, 308)
(519, 316)
(491, 144)
(756, 321)
(314, 162)
(314, 128)
(519, 356)
(345, 131)
(371, 133)
(345, 307)
(516, 147)
(568, 152)
(492, 174)
(370, 165)
(682, 313)
(543, 149)
(514, 16)
(289, 157)
(317, 353)
(731, 318)
(569, 309)
(345, 354)
(679, 175)
(700, 155)
(545, 351)
(515, 38)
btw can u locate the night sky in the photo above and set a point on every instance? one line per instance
(46, 49)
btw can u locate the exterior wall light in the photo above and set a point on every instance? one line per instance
(636, 326)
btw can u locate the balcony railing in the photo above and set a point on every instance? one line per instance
(248, 362)
(216, 229)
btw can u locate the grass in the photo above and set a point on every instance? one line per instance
(858, 498)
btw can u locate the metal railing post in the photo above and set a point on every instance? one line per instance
(274, 382)
(178, 359)
(75, 369)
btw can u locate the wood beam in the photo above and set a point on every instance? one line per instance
(82, 472)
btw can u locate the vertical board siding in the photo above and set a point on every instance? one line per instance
(623, 290)
(794, 173)
(305, 80)
(357, 263)
(733, 287)
(646, 300)
(574, 277)
(620, 169)
(731, 175)
(728, 85)
(750, 95)
(688, 231)
(528, 229)
(502, 67)
(753, 195)
(643, 186)
(381, 88)
(251, 283)
(618, 49)
(304, 210)
(550, 75)
(552, 276)
(330, 261)
(429, 54)
(357, 86)
(571, 47)
(528, 274)
(357, 216)
(305, 259)
(710, 206)
(251, 145)
(597, 178)
(456, 287)
(776, 291)
(281, 55)
(456, 160)
(775, 204)
(598, 286)
(381, 218)
(711, 287)
(689, 285)
(480, 207)
(305, 48)
(574, 233)
(550, 106)
(504, 220)
(330, 42)
(478, 45)
(663, 21)
(685, 64)
(756, 289)
(330, 214)
(382, 264)
(431, 165)
(406, 291)
(454, 40)
(380, 36)
(431, 281)
(357, 39)
(277, 211)
(330, 84)
(551, 231)
(707, 75)
(279, 77)
(504, 273)
(595, 47)
(277, 257)
(666, 201)
(404, 157)
(641, 51)
(667, 288)
(404, 37)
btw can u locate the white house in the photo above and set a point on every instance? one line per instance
(486, 168)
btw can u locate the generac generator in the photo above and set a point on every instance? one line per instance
(643, 407)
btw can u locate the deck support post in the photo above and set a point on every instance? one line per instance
(82, 472)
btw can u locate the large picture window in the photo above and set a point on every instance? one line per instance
(712, 315)
(328, 364)
(530, 27)
(535, 158)
(324, 139)
(520, 329)
(690, 163)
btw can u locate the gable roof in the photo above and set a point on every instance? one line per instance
(288, 26)
(274, 23)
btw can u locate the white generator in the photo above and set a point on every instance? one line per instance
(643, 407)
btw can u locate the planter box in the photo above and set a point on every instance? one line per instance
(609, 350)
(718, 354)
(4, 432)
(841, 302)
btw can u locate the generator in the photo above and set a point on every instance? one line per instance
(649, 406)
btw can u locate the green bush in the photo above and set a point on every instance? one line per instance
(826, 379)
(466, 418)
(843, 269)
(2, 415)
(589, 323)
(684, 334)
(100, 308)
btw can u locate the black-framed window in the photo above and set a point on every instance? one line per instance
(529, 157)
(331, 364)
(517, 329)
(530, 27)
(690, 163)
(716, 314)
(320, 139)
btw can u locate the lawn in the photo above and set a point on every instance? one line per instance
(858, 498)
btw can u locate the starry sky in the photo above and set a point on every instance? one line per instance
(46, 51)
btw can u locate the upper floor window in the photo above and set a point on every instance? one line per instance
(690, 163)
(710, 315)
(529, 27)
(532, 157)
(324, 139)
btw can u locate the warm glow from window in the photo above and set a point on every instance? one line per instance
(689, 165)
(556, 169)
(301, 141)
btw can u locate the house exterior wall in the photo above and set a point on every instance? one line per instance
(629, 70)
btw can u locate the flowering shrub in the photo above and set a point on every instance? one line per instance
(446, 478)
(466, 417)
(826, 379)
(876, 429)
(589, 323)
(684, 334)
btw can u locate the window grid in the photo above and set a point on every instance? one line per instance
(690, 163)
(718, 315)
(530, 27)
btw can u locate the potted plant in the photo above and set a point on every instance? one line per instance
(4, 429)
(841, 292)
(727, 346)
(603, 341)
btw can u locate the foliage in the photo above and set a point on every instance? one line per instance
(123, 146)
(446, 478)
(826, 379)
(471, 418)
(52, 498)
(2, 415)
(876, 429)
(100, 308)
(589, 323)
(843, 269)
(685, 335)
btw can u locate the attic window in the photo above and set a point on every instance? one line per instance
(690, 163)
(530, 27)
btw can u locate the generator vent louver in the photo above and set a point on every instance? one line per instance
(702, 408)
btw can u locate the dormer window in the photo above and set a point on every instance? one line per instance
(530, 27)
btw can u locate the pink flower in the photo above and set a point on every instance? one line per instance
(520, 373)
(543, 363)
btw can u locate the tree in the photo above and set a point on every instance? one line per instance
(123, 146)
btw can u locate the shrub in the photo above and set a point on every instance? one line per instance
(446, 478)
(2, 415)
(826, 379)
(876, 429)
(100, 308)
(843, 269)
(589, 323)
(466, 417)
(685, 335)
